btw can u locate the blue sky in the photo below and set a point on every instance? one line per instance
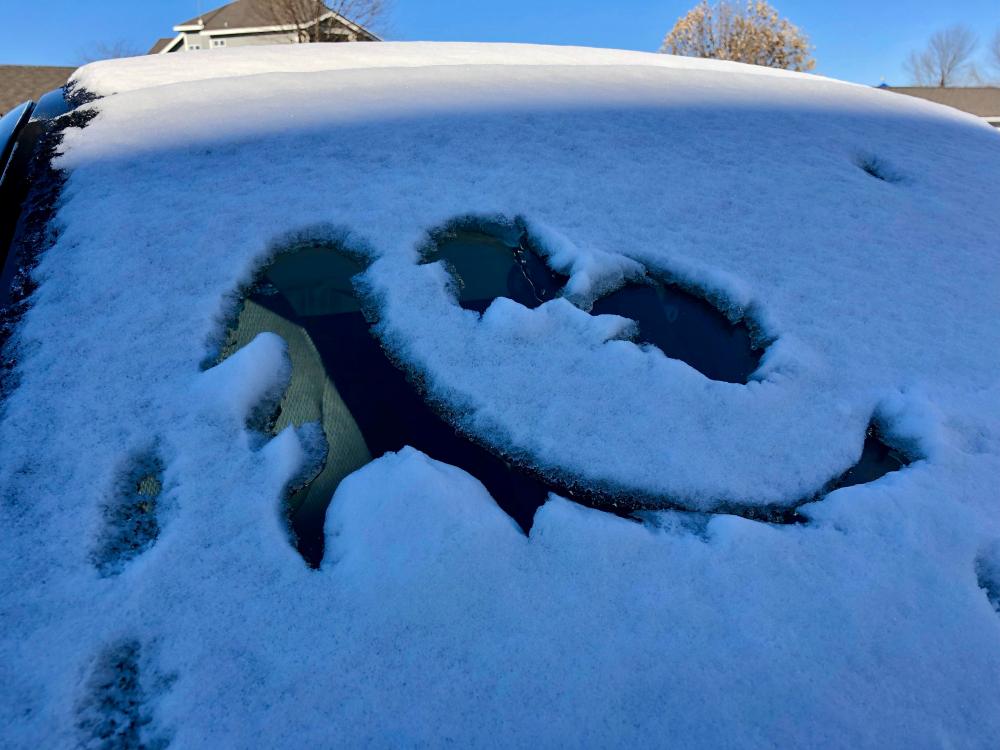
(857, 40)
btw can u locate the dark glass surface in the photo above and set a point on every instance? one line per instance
(32, 122)
(50, 105)
(685, 327)
(877, 460)
(10, 125)
(391, 415)
(490, 265)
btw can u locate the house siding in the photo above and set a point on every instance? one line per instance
(204, 39)
(248, 40)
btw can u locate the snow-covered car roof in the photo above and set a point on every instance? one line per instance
(150, 590)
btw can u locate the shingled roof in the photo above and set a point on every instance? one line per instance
(238, 14)
(160, 43)
(21, 82)
(242, 14)
(983, 101)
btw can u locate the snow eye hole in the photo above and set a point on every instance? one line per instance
(490, 260)
(493, 259)
(685, 327)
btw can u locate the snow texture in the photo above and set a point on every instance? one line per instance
(857, 230)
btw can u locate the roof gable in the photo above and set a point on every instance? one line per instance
(166, 44)
(242, 14)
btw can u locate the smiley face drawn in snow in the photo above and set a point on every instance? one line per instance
(547, 373)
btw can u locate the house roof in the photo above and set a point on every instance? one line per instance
(238, 14)
(160, 44)
(983, 101)
(21, 82)
(242, 14)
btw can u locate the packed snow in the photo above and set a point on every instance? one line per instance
(855, 230)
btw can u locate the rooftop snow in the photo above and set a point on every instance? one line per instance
(433, 618)
(115, 76)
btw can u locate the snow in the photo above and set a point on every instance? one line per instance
(116, 76)
(433, 618)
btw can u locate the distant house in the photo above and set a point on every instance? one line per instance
(982, 101)
(19, 83)
(245, 22)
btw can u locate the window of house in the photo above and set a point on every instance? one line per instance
(218, 42)
(194, 46)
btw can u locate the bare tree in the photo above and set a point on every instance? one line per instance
(946, 59)
(106, 51)
(994, 50)
(319, 21)
(753, 33)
